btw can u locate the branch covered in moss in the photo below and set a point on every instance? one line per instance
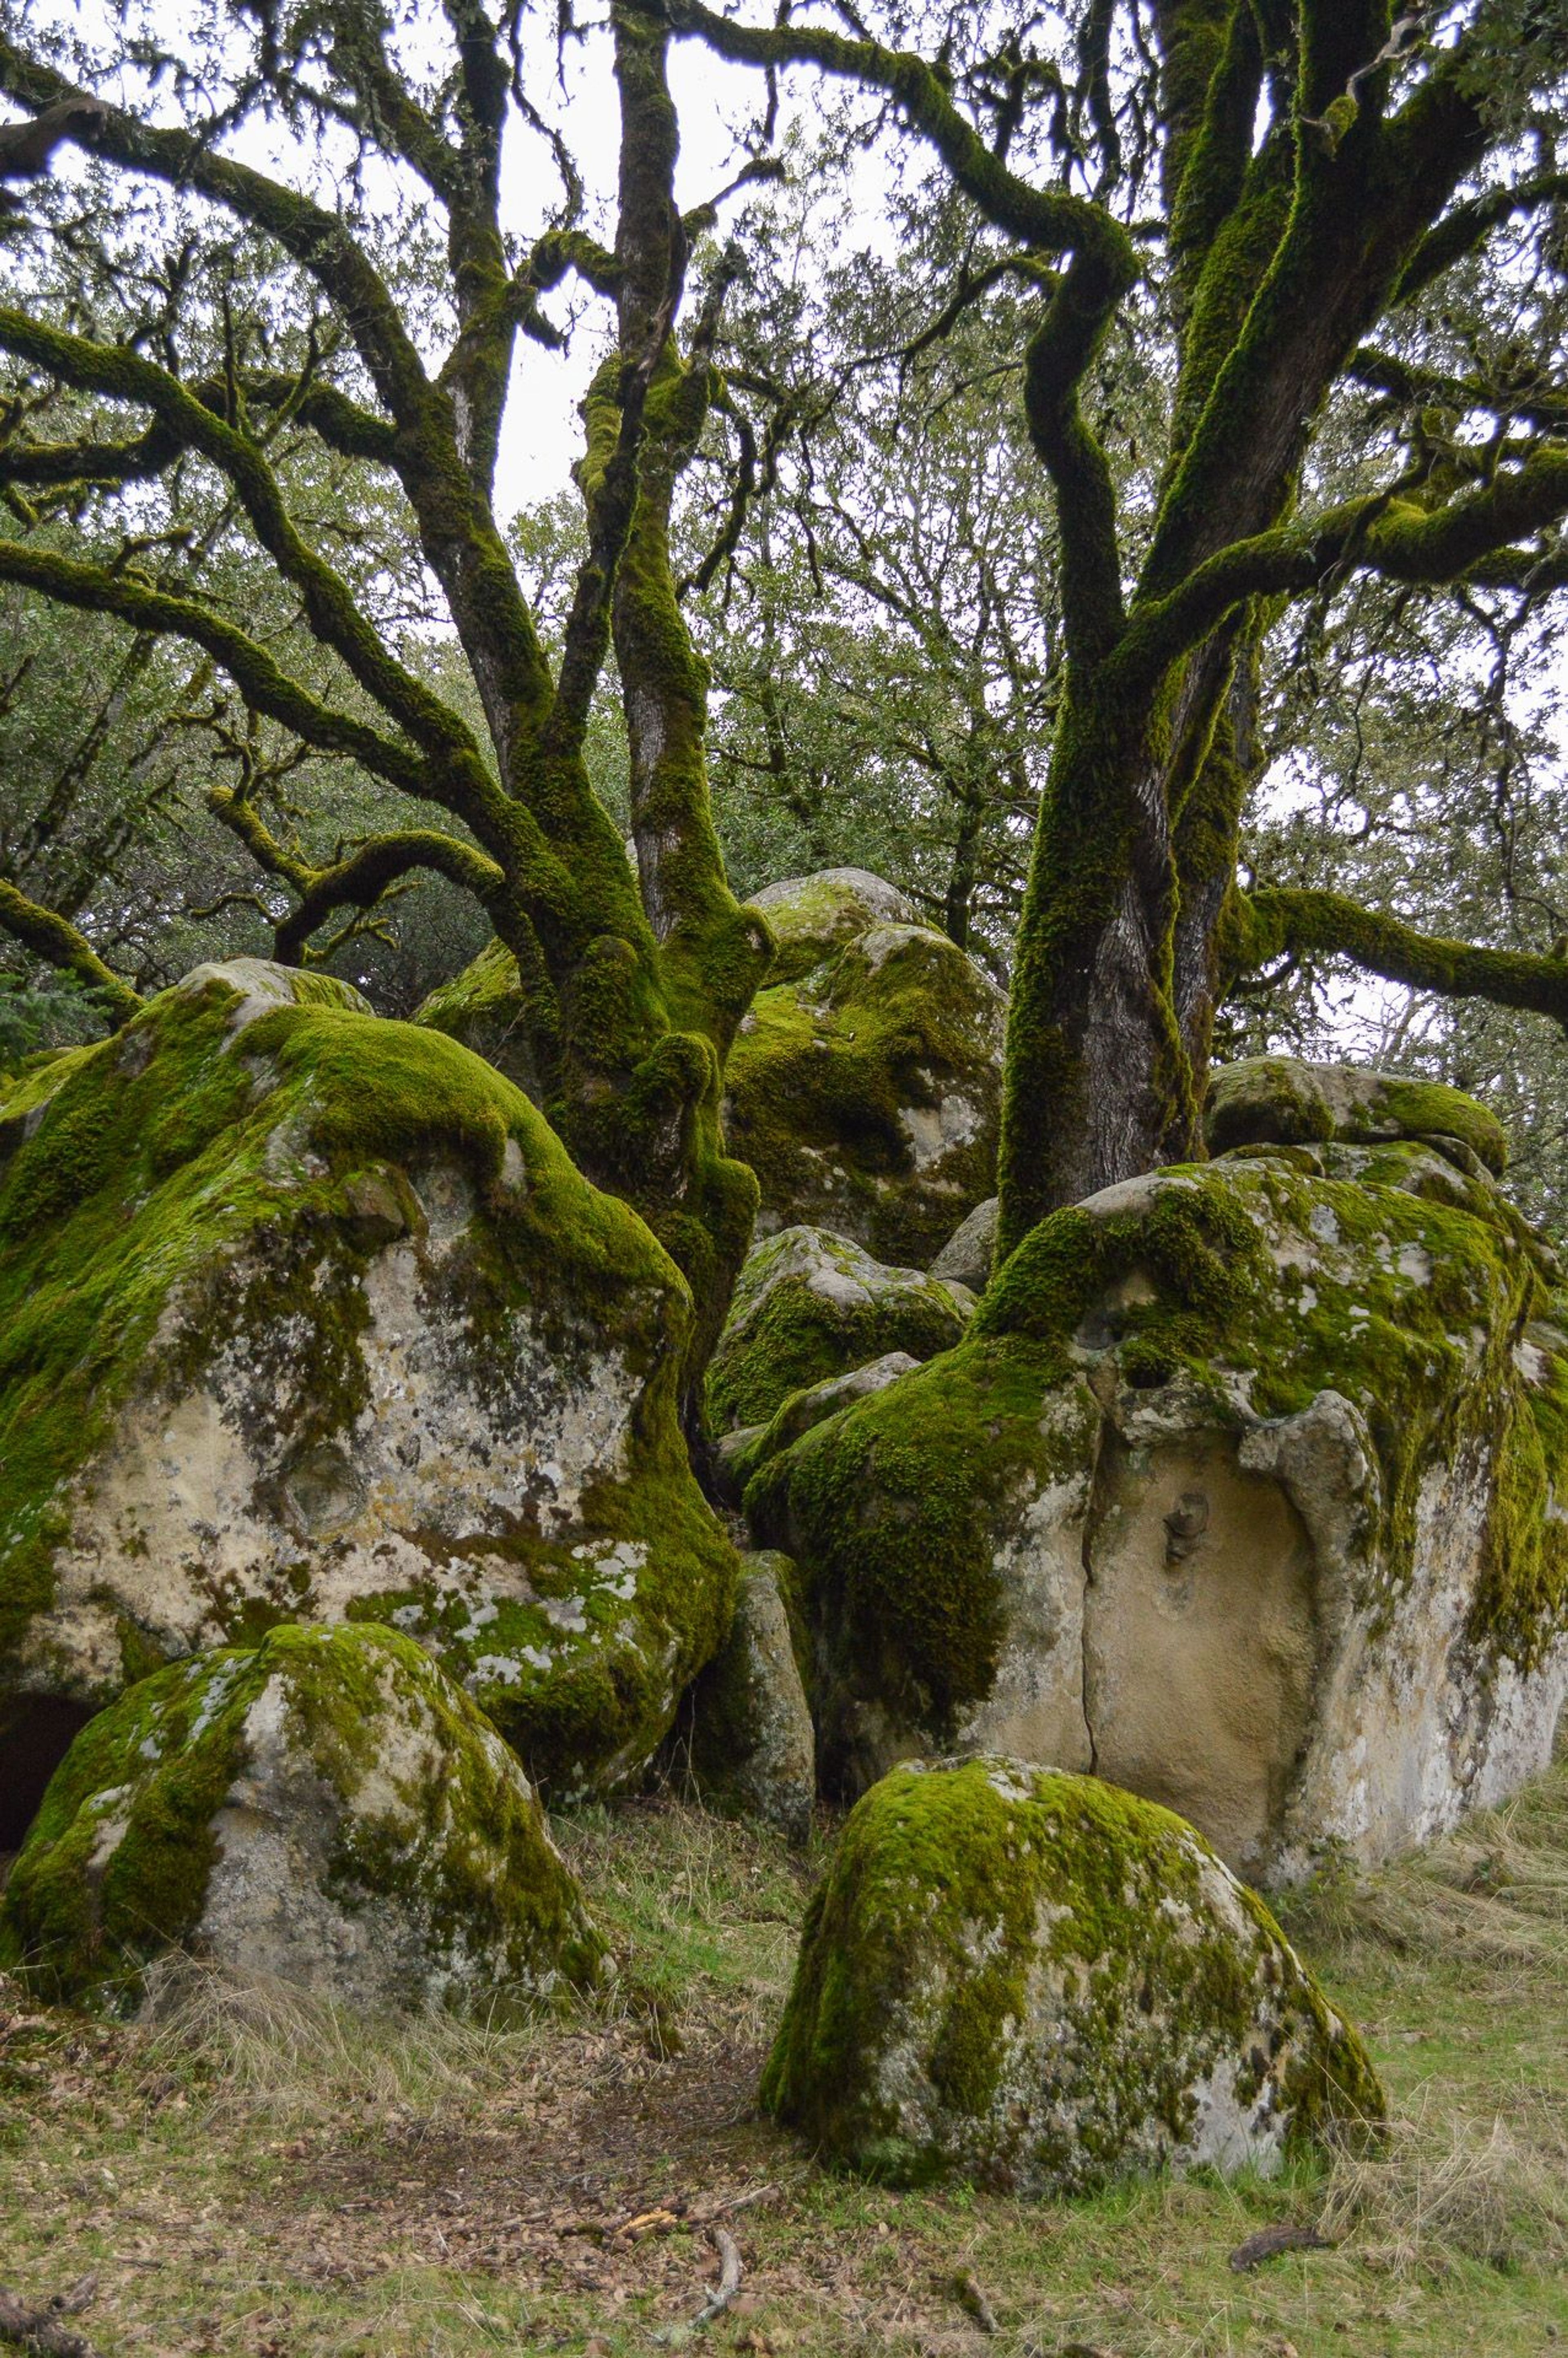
(265, 685)
(364, 874)
(1539, 403)
(1382, 532)
(56, 941)
(1465, 227)
(1271, 922)
(444, 484)
(333, 615)
(1103, 267)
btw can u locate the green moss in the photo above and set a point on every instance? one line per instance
(792, 1326)
(961, 1899)
(895, 1506)
(814, 918)
(1282, 1099)
(823, 1071)
(1431, 1110)
(117, 1867)
(1409, 1306)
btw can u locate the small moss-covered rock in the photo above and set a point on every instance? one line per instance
(810, 1305)
(812, 918)
(1284, 1101)
(749, 1725)
(737, 1455)
(1040, 1984)
(968, 1255)
(307, 1316)
(866, 1095)
(1245, 1487)
(327, 1809)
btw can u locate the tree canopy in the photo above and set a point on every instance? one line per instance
(1173, 423)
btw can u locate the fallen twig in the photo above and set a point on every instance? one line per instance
(727, 2209)
(728, 2284)
(1270, 2242)
(40, 2330)
(723, 2292)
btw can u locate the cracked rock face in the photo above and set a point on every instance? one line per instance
(864, 1088)
(327, 1810)
(307, 1316)
(1248, 1488)
(1042, 1984)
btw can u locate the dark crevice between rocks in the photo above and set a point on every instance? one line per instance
(1092, 1517)
(35, 1734)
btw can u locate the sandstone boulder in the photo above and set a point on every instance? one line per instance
(737, 1455)
(809, 1305)
(866, 1094)
(751, 1744)
(1284, 1101)
(326, 1809)
(1247, 1488)
(482, 1009)
(812, 918)
(307, 1316)
(1040, 1984)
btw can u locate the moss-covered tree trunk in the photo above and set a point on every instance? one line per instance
(1282, 259)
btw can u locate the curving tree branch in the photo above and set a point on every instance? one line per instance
(59, 943)
(1273, 922)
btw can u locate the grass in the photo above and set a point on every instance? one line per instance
(255, 2173)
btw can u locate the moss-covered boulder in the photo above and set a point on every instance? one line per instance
(482, 1008)
(812, 918)
(1247, 1486)
(1040, 1984)
(307, 1316)
(809, 1305)
(1284, 1101)
(866, 1094)
(738, 1454)
(326, 1809)
(748, 1725)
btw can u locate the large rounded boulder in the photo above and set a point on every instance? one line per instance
(326, 1809)
(865, 1092)
(308, 1316)
(1040, 1984)
(1286, 1101)
(1247, 1488)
